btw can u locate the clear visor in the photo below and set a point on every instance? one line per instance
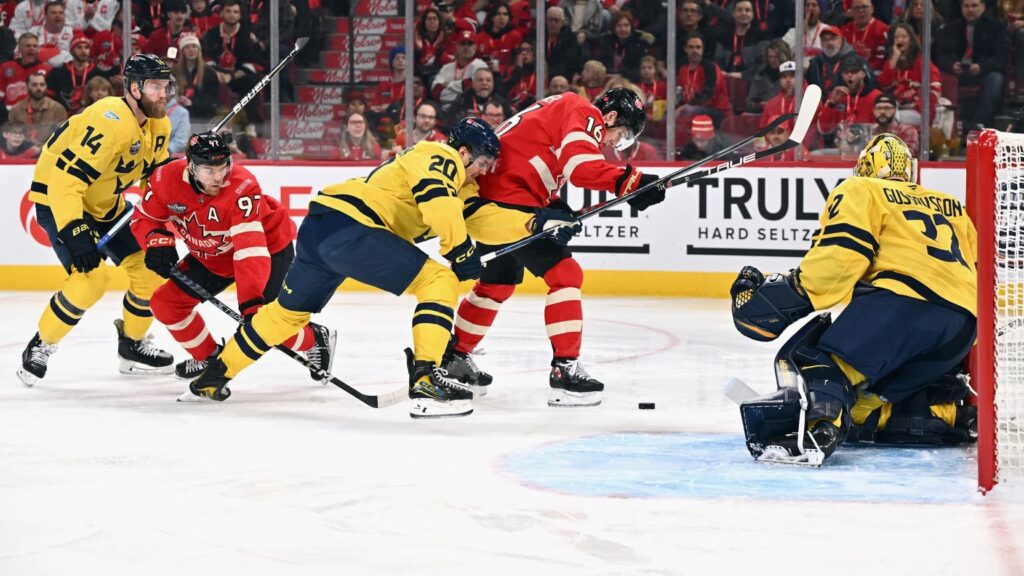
(485, 164)
(627, 140)
(211, 175)
(159, 88)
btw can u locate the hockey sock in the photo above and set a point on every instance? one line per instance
(477, 312)
(563, 309)
(177, 310)
(142, 283)
(78, 293)
(272, 325)
(302, 341)
(436, 290)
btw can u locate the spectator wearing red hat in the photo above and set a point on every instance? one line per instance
(702, 84)
(176, 22)
(54, 35)
(852, 102)
(197, 82)
(355, 103)
(866, 34)
(66, 84)
(91, 16)
(14, 73)
(824, 69)
(704, 140)
(452, 78)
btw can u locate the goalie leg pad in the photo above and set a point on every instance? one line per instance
(768, 418)
(762, 308)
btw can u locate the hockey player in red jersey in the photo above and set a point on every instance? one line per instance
(234, 233)
(559, 138)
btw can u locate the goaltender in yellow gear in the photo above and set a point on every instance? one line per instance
(83, 169)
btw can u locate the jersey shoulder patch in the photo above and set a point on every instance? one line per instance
(110, 115)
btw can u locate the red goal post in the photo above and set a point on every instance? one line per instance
(995, 202)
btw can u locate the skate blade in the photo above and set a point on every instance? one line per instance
(132, 368)
(27, 378)
(427, 408)
(478, 390)
(811, 458)
(559, 398)
(188, 396)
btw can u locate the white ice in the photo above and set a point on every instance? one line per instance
(106, 474)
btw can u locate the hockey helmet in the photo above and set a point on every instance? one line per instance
(631, 114)
(142, 67)
(209, 160)
(888, 157)
(476, 135)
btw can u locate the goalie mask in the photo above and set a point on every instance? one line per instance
(630, 114)
(887, 157)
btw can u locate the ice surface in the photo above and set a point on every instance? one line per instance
(105, 474)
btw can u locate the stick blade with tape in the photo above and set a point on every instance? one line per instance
(808, 107)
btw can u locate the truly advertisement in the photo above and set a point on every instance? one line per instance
(762, 216)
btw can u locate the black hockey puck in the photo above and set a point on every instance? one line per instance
(646, 406)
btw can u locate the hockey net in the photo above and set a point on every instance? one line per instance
(995, 200)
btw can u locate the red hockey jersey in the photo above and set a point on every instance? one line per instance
(233, 234)
(556, 139)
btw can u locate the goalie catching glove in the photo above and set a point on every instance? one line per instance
(632, 180)
(763, 308)
(561, 225)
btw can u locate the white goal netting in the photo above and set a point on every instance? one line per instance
(1009, 306)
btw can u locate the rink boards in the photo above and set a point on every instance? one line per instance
(691, 245)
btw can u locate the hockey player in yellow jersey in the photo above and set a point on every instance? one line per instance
(885, 370)
(364, 229)
(77, 186)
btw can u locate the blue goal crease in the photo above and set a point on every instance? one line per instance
(718, 466)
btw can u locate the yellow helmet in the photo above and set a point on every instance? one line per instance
(888, 157)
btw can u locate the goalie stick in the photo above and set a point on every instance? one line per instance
(808, 106)
(302, 27)
(371, 400)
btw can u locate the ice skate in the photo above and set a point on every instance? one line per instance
(572, 386)
(140, 357)
(191, 368)
(34, 360)
(322, 352)
(433, 394)
(210, 385)
(461, 367)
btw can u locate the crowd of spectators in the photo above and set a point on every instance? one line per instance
(736, 67)
(56, 57)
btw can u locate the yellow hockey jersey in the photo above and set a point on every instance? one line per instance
(93, 157)
(896, 236)
(419, 194)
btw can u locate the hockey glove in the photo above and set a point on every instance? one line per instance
(465, 261)
(560, 225)
(80, 240)
(160, 253)
(645, 200)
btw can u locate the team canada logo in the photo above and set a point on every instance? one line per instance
(202, 243)
(29, 223)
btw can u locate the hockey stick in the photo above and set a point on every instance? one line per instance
(371, 400)
(302, 27)
(808, 106)
(124, 219)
